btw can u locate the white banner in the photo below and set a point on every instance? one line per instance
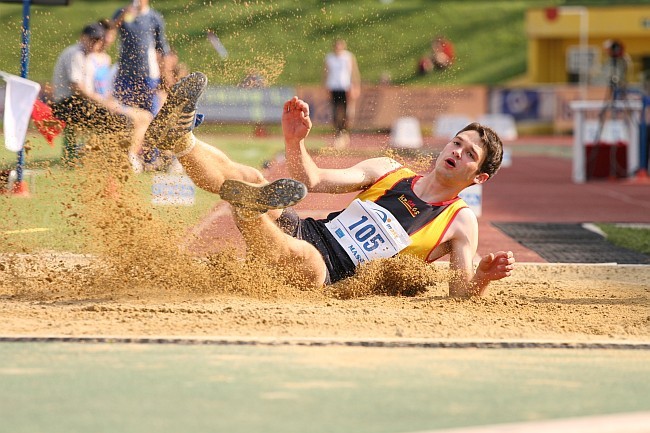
(172, 190)
(473, 196)
(20, 95)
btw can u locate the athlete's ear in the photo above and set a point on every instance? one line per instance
(481, 178)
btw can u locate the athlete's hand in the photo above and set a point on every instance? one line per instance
(296, 123)
(495, 266)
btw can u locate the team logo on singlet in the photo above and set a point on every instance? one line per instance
(409, 205)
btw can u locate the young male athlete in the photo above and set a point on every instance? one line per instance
(396, 210)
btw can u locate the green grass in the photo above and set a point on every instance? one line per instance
(42, 221)
(286, 40)
(636, 239)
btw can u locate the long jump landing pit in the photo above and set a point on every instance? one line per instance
(552, 342)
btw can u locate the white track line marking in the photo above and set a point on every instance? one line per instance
(638, 422)
(34, 230)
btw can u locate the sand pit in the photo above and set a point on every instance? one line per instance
(74, 295)
(135, 280)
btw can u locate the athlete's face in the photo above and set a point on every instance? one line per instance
(461, 158)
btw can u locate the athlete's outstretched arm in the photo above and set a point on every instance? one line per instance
(464, 281)
(296, 125)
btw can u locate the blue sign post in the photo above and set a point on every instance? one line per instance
(642, 173)
(20, 187)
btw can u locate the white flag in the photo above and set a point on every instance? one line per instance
(20, 95)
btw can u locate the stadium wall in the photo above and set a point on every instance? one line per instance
(542, 107)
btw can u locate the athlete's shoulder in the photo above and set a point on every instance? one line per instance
(380, 167)
(386, 164)
(465, 218)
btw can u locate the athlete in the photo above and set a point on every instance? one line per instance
(396, 211)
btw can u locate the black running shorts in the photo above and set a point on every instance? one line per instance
(337, 262)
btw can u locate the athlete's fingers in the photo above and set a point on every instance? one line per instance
(303, 106)
(291, 104)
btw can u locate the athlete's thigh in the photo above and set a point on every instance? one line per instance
(308, 262)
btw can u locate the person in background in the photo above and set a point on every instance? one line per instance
(74, 99)
(143, 45)
(441, 57)
(174, 71)
(141, 62)
(343, 81)
(101, 73)
(100, 65)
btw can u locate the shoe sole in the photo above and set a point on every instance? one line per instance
(179, 106)
(279, 194)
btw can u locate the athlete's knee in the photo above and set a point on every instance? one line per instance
(249, 174)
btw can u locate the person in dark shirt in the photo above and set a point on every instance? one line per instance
(143, 46)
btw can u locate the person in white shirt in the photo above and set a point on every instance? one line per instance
(81, 105)
(74, 99)
(343, 81)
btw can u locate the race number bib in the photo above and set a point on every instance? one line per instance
(367, 231)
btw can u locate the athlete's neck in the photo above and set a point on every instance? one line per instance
(430, 189)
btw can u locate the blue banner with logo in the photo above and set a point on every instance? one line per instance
(236, 104)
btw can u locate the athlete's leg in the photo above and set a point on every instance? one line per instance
(266, 240)
(257, 209)
(172, 128)
(209, 168)
(140, 120)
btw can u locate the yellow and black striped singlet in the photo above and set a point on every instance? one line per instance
(426, 223)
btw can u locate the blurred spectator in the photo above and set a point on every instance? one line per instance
(617, 65)
(103, 77)
(143, 47)
(75, 101)
(70, 79)
(441, 56)
(82, 94)
(142, 62)
(343, 80)
(101, 71)
(174, 71)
